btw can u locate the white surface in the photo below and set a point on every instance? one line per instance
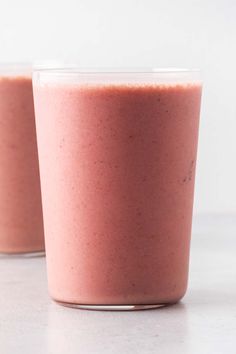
(203, 323)
(186, 33)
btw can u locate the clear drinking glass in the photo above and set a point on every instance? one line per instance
(21, 224)
(117, 154)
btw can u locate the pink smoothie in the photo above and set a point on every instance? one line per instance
(21, 226)
(117, 166)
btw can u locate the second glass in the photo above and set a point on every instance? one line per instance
(21, 222)
(117, 155)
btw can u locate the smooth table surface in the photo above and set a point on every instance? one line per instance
(204, 322)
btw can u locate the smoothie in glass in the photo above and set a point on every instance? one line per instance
(21, 224)
(117, 155)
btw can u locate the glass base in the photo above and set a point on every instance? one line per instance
(22, 254)
(111, 307)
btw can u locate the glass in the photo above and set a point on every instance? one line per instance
(117, 154)
(21, 224)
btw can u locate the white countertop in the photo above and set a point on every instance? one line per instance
(204, 322)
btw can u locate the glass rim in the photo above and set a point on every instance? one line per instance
(75, 75)
(77, 70)
(15, 68)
